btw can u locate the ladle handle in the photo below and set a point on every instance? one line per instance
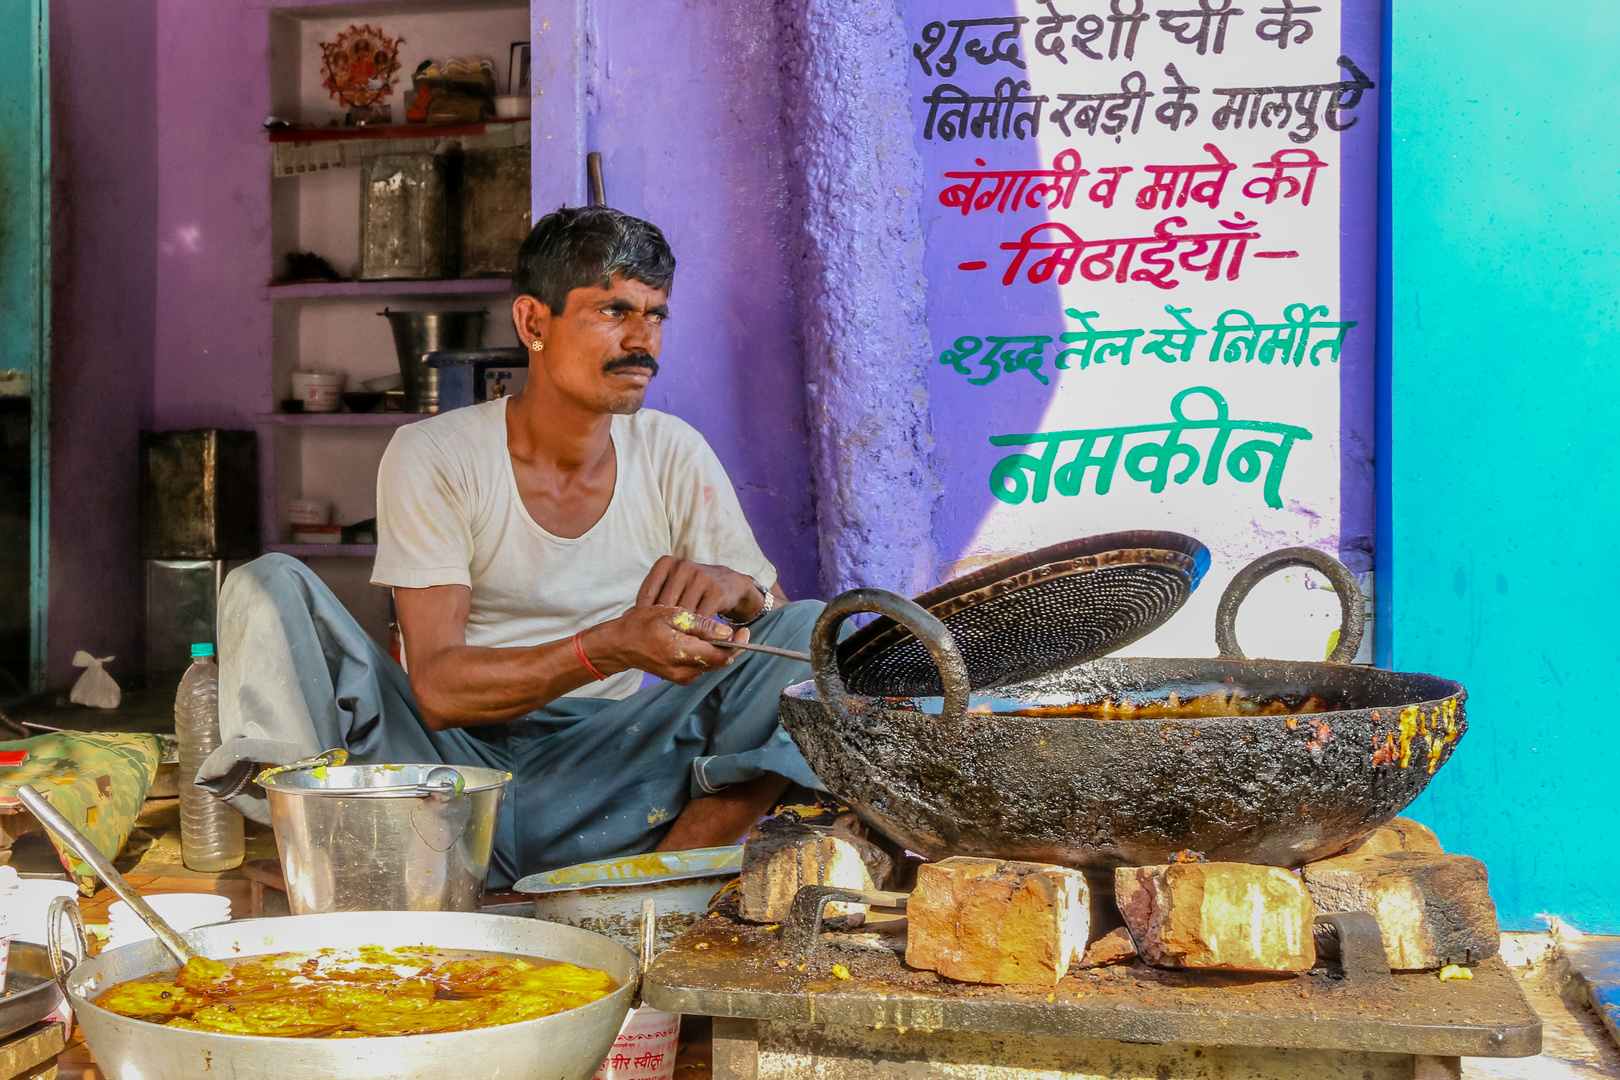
(934, 635)
(81, 846)
(1352, 606)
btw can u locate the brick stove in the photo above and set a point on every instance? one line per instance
(782, 1012)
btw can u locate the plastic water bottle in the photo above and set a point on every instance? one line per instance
(210, 830)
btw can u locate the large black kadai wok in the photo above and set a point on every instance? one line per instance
(985, 755)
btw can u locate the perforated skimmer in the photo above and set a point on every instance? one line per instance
(1034, 613)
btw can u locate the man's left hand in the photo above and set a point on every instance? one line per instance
(707, 590)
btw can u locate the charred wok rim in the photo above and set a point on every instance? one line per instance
(1252, 787)
(927, 814)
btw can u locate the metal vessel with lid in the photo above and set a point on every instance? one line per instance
(1016, 743)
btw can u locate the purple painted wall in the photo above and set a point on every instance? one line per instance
(862, 299)
(159, 320)
(213, 215)
(104, 190)
(682, 99)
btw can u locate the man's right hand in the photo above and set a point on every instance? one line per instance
(669, 642)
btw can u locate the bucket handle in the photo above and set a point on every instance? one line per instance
(336, 756)
(442, 782)
(60, 906)
(934, 635)
(1352, 606)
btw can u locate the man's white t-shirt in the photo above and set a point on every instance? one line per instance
(449, 513)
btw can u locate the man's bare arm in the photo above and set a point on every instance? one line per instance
(459, 685)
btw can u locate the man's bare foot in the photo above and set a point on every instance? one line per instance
(723, 818)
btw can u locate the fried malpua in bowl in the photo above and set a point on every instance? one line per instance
(355, 993)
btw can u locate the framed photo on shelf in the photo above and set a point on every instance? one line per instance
(518, 74)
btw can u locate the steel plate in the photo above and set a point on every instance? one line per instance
(30, 991)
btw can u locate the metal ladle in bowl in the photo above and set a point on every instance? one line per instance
(81, 846)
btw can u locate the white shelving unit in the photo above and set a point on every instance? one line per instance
(335, 326)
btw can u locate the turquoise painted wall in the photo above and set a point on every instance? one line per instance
(1501, 505)
(25, 299)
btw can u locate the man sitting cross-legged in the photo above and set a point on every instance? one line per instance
(544, 550)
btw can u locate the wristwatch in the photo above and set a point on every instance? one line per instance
(770, 602)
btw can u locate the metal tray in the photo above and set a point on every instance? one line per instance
(606, 897)
(30, 991)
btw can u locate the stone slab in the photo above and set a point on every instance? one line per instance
(725, 967)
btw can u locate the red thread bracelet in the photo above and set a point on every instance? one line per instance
(579, 651)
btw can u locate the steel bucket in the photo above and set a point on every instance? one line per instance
(566, 1046)
(384, 837)
(417, 333)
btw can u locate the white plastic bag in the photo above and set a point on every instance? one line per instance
(95, 687)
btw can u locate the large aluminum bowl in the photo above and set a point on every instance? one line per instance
(567, 1046)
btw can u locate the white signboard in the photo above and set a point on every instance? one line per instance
(1151, 236)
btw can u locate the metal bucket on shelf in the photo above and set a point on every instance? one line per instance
(383, 837)
(417, 333)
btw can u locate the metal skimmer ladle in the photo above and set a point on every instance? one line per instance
(772, 649)
(81, 846)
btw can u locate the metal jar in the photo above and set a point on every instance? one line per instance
(417, 333)
(404, 217)
(384, 837)
(494, 212)
(565, 1046)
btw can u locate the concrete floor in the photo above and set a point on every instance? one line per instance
(1575, 1044)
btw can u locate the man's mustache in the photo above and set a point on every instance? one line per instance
(635, 360)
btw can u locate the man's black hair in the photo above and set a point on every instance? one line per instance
(580, 246)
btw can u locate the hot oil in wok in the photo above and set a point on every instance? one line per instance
(1220, 703)
(354, 993)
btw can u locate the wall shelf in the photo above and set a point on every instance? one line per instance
(305, 551)
(316, 196)
(314, 290)
(345, 132)
(341, 419)
(311, 9)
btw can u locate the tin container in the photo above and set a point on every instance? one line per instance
(182, 607)
(384, 837)
(470, 376)
(404, 217)
(494, 211)
(199, 494)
